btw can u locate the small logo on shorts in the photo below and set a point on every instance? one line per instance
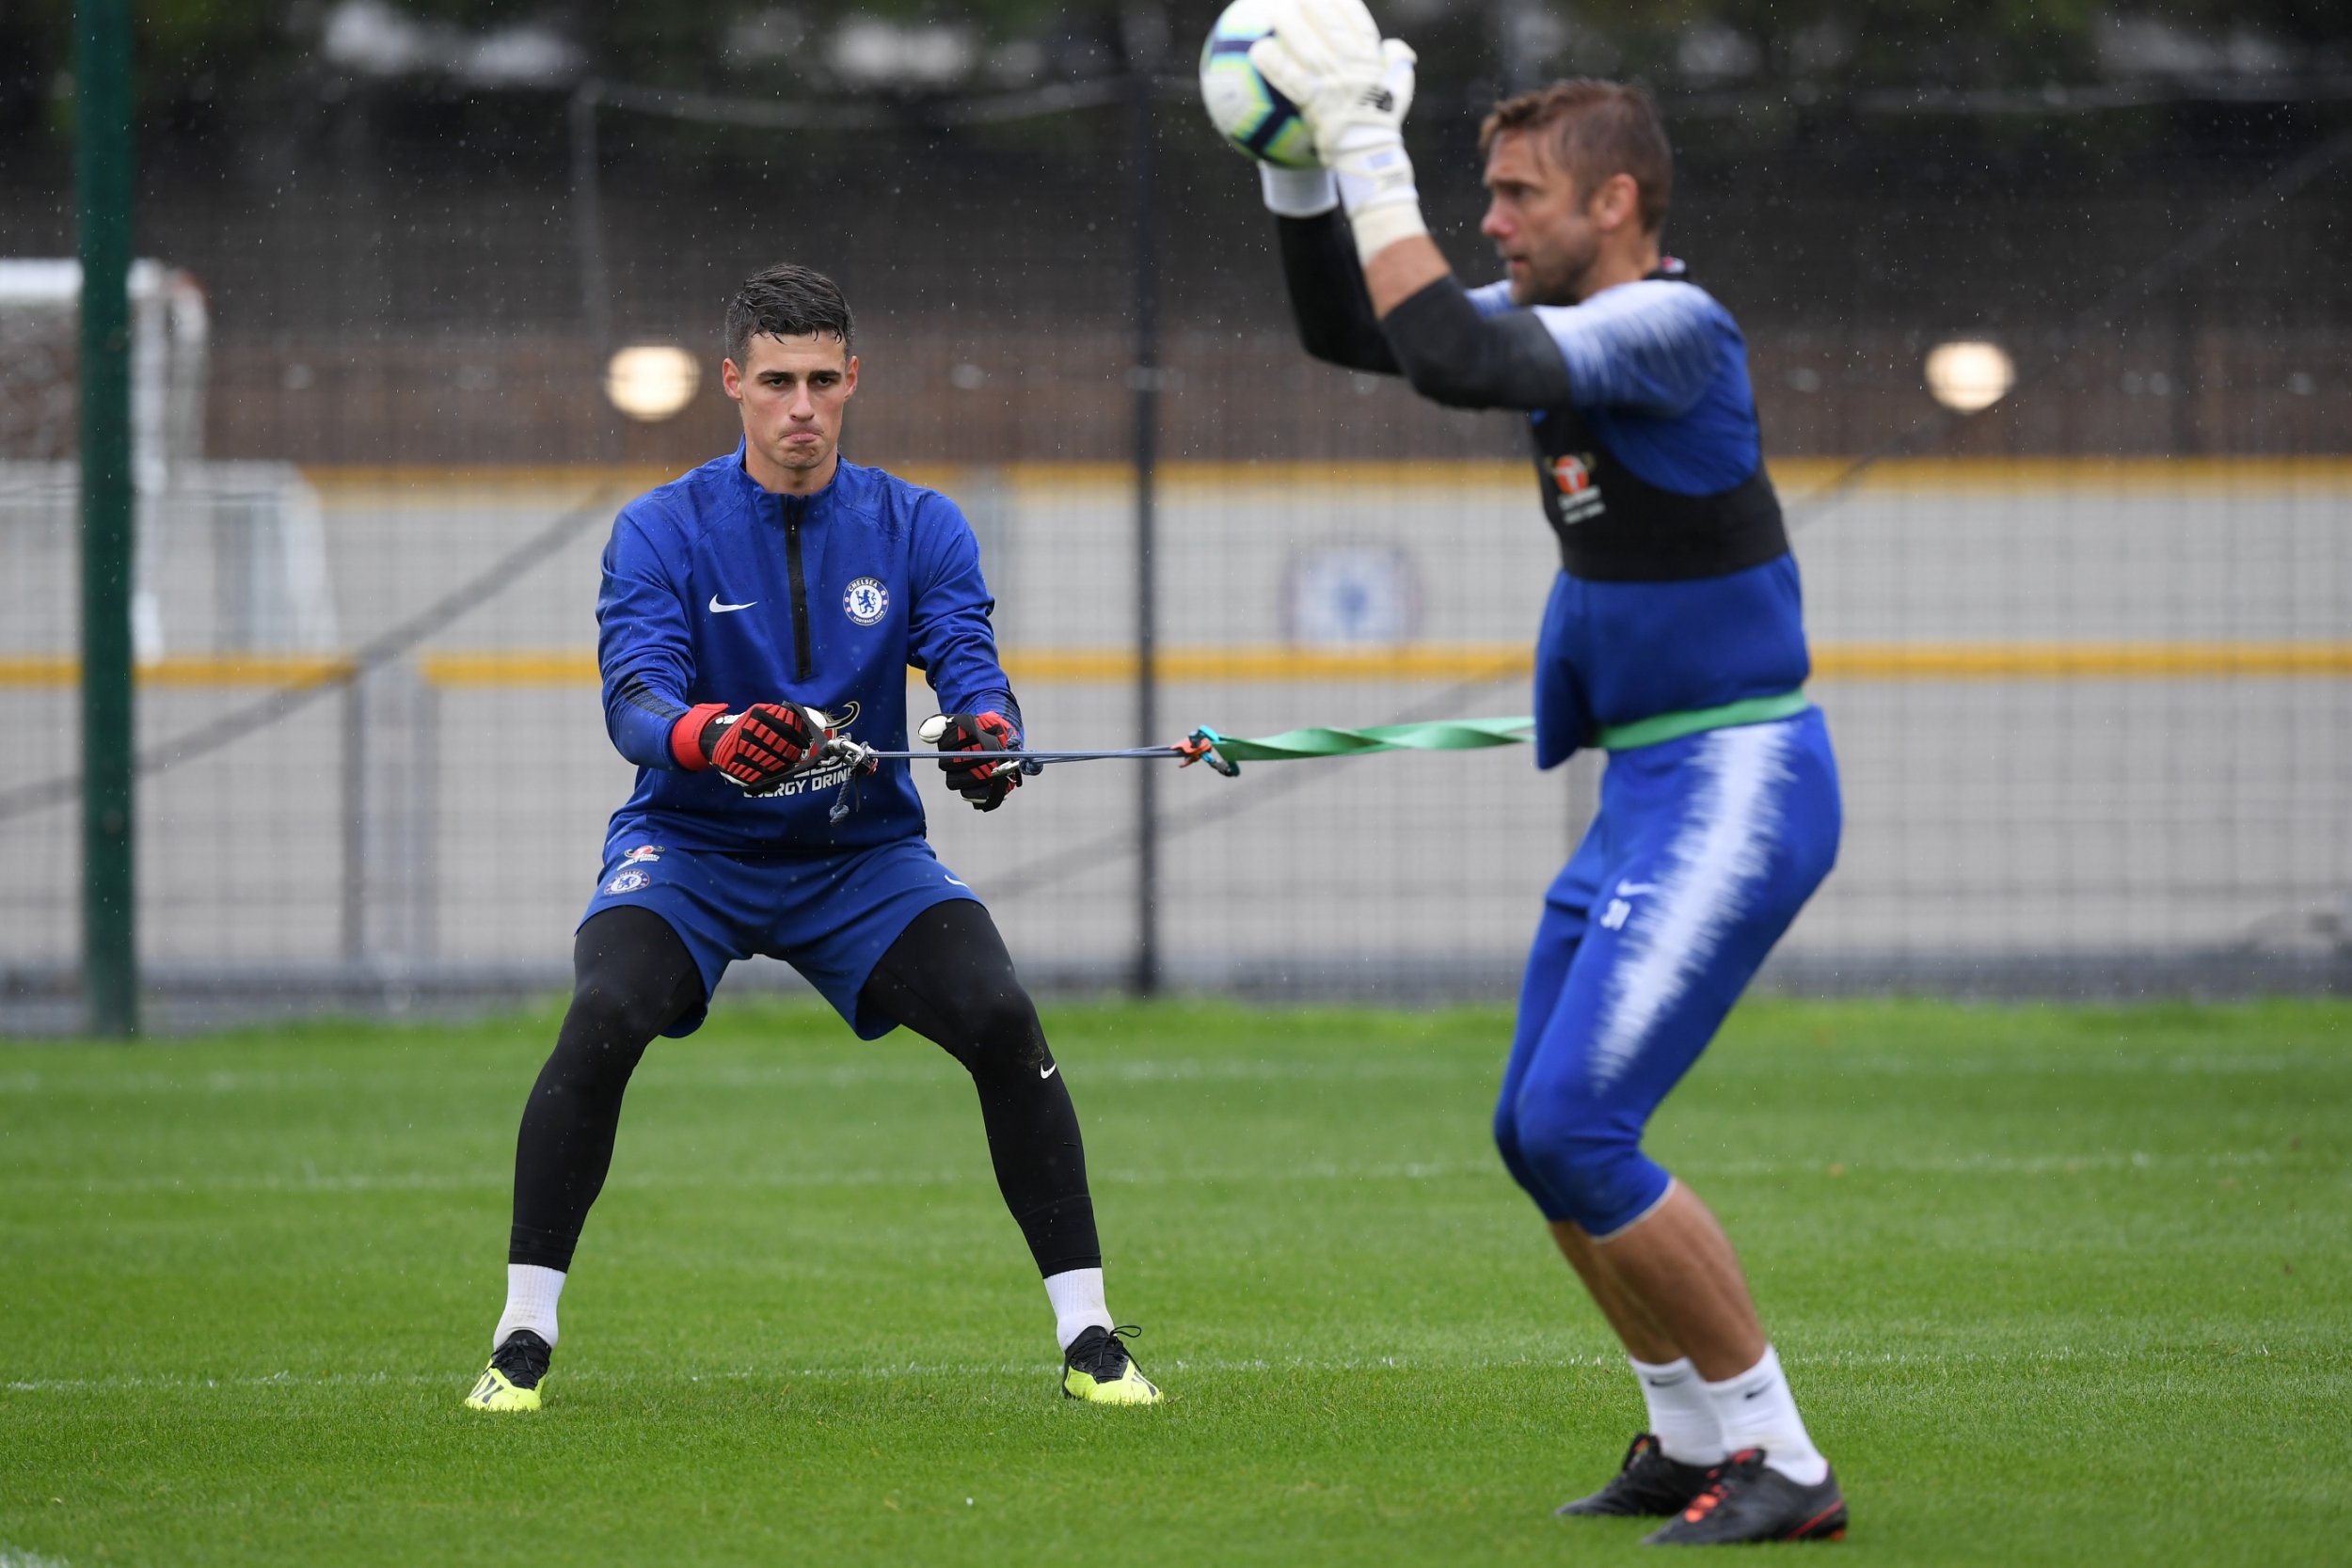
(641, 855)
(627, 881)
(867, 601)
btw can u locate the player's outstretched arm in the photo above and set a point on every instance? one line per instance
(645, 647)
(951, 635)
(1353, 88)
(1321, 269)
(1453, 354)
(1336, 322)
(952, 639)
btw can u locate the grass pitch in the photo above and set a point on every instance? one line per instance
(2053, 1286)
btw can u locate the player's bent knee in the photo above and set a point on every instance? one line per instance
(1506, 1130)
(998, 1031)
(1591, 1170)
(1619, 1195)
(606, 1015)
(631, 978)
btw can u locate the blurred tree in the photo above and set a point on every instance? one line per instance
(1881, 39)
(1940, 43)
(226, 56)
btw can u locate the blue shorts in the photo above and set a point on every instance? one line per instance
(832, 917)
(1703, 851)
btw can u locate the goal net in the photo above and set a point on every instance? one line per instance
(230, 556)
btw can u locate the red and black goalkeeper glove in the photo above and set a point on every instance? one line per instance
(985, 783)
(756, 748)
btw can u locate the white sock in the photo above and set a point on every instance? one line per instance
(1757, 1411)
(530, 1296)
(1681, 1417)
(1077, 1298)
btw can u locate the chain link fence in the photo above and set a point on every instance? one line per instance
(2086, 655)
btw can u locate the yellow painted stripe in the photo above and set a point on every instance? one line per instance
(190, 671)
(2079, 660)
(2203, 476)
(1260, 665)
(515, 669)
(1795, 476)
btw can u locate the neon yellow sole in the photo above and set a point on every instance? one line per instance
(1128, 1387)
(493, 1392)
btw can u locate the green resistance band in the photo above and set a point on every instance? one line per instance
(1444, 734)
(1673, 726)
(1473, 734)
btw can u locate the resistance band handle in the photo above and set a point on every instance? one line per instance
(1201, 746)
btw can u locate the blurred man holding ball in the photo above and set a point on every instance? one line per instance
(1673, 639)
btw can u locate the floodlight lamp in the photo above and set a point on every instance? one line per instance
(651, 382)
(1969, 375)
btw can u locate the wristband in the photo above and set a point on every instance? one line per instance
(1378, 228)
(685, 735)
(1297, 192)
(1376, 181)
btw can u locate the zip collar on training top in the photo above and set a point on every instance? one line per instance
(790, 505)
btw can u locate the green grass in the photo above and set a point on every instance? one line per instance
(2053, 1286)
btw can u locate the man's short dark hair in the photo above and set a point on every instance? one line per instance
(1600, 130)
(785, 300)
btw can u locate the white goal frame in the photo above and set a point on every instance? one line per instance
(230, 557)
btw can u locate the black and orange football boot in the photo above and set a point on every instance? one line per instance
(1747, 1500)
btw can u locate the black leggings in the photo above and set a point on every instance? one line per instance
(947, 978)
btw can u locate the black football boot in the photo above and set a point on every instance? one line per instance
(1748, 1500)
(1647, 1485)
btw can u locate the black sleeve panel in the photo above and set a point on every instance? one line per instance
(1328, 296)
(1453, 354)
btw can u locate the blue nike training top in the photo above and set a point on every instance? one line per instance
(716, 591)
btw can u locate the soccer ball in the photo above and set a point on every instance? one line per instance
(1252, 118)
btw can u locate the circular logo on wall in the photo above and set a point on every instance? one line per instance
(867, 601)
(1351, 595)
(627, 881)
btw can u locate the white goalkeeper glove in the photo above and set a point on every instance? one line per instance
(1353, 90)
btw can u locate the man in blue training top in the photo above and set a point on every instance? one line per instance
(754, 607)
(1673, 639)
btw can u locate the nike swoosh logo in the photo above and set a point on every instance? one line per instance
(1045, 1073)
(967, 886)
(1634, 890)
(1758, 1393)
(717, 608)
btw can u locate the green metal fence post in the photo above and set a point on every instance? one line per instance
(103, 150)
(1146, 34)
